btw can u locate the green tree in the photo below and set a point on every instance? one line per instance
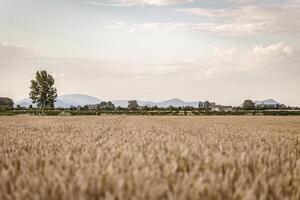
(102, 105)
(110, 105)
(248, 105)
(6, 103)
(43, 93)
(132, 105)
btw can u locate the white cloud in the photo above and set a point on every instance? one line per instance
(139, 2)
(153, 2)
(205, 12)
(275, 51)
(226, 53)
(123, 26)
(273, 58)
(12, 51)
(249, 18)
(242, 18)
(278, 56)
(93, 3)
(223, 29)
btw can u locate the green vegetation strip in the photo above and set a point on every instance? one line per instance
(67, 112)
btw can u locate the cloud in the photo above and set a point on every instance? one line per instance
(277, 57)
(227, 29)
(248, 19)
(139, 2)
(93, 3)
(205, 12)
(123, 26)
(240, 18)
(229, 62)
(223, 29)
(13, 51)
(275, 52)
(261, 60)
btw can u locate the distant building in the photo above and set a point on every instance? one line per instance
(208, 105)
(222, 108)
(213, 107)
(6, 103)
(227, 108)
(200, 105)
(216, 108)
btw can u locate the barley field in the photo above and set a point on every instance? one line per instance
(136, 157)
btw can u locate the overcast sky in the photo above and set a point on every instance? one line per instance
(217, 50)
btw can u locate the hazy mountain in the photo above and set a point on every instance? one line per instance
(267, 102)
(61, 104)
(66, 101)
(79, 99)
(163, 104)
(27, 102)
(23, 103)
(177, 103)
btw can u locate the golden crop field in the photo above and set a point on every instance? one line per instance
(136, 157)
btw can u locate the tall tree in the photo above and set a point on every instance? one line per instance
(43, 92)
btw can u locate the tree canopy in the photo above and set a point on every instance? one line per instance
(43, 93)
(248, 105)
(6, 102)
(132, 105)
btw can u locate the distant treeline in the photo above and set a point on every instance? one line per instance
(107, 108)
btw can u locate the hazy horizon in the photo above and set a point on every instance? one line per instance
(223, 51)
(22, 101)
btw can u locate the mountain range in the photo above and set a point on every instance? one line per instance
(268, 102)
(66, 101)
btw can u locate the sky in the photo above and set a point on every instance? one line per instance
(218, 50)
